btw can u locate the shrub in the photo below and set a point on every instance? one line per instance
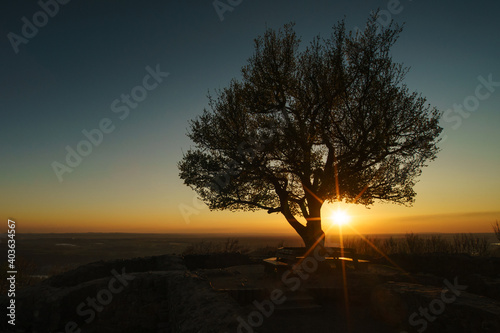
(496, 229)
(231, 245)
(417, 244)
(468, 243)
(437, 244)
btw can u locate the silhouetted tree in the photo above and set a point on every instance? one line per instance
(330, 122)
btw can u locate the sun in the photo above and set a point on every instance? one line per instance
(340, 217)
(336, 213)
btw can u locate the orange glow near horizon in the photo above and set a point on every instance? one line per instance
(373, 221)
(134, 206)
(161, 214)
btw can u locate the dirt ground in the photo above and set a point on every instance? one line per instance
(318, 305)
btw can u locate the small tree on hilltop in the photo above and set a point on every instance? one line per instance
(331, 122)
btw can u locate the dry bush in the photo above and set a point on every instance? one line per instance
(230, 245)
(470, 244)
(417, 244)
(496, 229)
(370, 245)
(394, 245)
(437, 244)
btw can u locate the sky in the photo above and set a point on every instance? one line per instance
(67, 68)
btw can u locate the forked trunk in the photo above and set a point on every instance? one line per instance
(313, 235)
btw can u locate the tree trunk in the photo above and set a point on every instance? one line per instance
(313, 235)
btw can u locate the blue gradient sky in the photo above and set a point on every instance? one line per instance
(65, 78)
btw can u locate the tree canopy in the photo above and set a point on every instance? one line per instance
(332, 121)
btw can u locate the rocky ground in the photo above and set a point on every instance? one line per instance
(233, 293)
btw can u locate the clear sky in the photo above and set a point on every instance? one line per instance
(65, 72)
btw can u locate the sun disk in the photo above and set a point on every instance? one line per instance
(340, 217)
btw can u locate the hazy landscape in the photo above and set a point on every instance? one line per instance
(47, 254)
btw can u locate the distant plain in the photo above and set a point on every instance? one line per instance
(48, 254)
